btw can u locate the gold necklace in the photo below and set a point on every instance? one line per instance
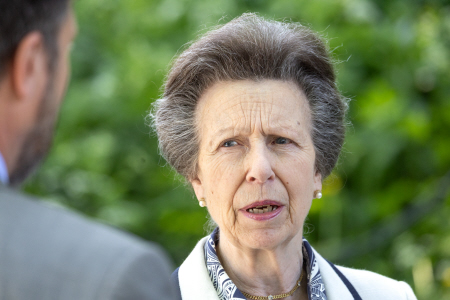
(279, 296)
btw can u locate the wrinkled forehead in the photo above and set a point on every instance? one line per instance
(245, 105)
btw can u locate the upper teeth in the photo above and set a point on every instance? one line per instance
(262, 209)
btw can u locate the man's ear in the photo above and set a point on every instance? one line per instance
(29, 67)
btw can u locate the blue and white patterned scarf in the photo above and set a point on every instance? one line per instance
(227, 290)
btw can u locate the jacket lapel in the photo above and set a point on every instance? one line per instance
(195, 283)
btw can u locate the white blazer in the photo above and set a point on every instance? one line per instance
(340, 283)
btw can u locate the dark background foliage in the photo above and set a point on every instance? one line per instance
(386, 207)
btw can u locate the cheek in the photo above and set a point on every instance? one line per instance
(223, 181)
(62, 75)
(223, 175)
(65, 75)
(295, 169)
(297, 176)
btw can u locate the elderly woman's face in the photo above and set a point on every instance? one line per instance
(256, 161)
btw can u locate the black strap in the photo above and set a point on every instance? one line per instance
(347, 283)
(176, 282)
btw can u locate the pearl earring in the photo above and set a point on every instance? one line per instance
(317, 194)
(202, 202)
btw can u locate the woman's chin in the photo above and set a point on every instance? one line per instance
(267, 238)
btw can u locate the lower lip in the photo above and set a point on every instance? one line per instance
(264, 216)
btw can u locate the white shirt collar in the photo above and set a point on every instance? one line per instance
(4, 178)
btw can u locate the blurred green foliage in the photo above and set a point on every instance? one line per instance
(385, 208)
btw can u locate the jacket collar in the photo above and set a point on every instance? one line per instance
(194, 277)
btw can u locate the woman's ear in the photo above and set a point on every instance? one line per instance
(198, 187)
(317, 181)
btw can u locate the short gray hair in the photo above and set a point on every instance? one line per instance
(250, 48)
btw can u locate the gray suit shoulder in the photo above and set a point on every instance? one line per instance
(51, 253)
(371, 285)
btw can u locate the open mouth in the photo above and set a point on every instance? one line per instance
(262, 209)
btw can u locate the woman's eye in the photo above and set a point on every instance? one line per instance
(282, 140)
(229, 144)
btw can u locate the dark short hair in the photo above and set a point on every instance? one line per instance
(250, 48)
(20, 17)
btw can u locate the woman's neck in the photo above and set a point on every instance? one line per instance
(264, 272)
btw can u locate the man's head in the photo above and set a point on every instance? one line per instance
(35, 40)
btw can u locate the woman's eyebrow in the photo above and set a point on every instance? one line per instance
(230, 132)
(223, 131)
(219, 134)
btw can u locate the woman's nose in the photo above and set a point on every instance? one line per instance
(259, 169)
